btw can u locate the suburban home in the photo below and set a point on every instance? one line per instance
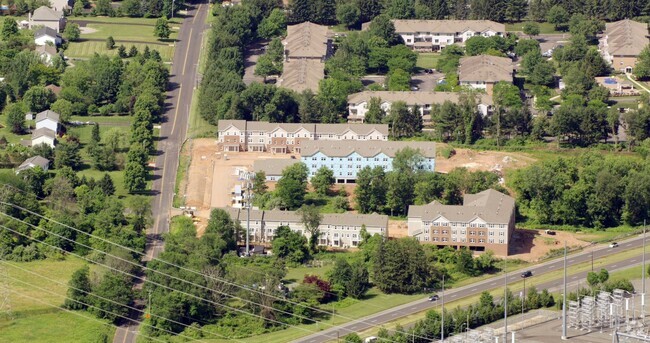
(434, 35)
(32, 162)
(484, 71)
(48, 119)
(336, 230)
(62, 5)
(622, 43)
(46, 52)
(55, 89)
(485, 221)
(282, 138)
(358, 102)
(43, 136)
(347, 158)
(47, 36)
(306, 48)
(47, 17)
(273, 167)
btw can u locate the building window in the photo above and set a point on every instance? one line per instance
(501, 241)
(491, 233)
(501, 233)
(453, 239)
(444, 232)
(481, 240)
(491, 240)
(471, 240)
(435, 239)
(462, 232)
(481, 233)
(453, 232)
(435, 232)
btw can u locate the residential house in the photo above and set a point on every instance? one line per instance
(484, 71)
(48, 119)
(336, 230)
(45, 16)
(241, 135)
(622, 43)
(62, 5)
(32, 162)
(46, 52)
(358, 102)
(43, 136)
(47, 36)
(306, 48)
(485, 221)
(434, 35)
(347, 158)
(273, 167)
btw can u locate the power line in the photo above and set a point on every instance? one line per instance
(159, 284)
(109, 300)
(315, 309)
(95, 307)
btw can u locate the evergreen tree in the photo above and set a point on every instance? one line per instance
(642, 67)
(94, 136)
(9, 28)
(121, 51)
(324, 12)
(292, 187)
(106, 185)
(78, 289)
(162, 30)
(375, 114)
(302, 10)
(133, 51)
(370, 193)
(369, 9)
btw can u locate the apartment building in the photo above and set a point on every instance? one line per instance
(306, 48)
(434, 35)
(484, 71)
(282, 138)
(358, 102)
(336, 230)
(485, 221)
(622, 43)
(347, 158)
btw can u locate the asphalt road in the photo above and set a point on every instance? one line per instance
(555, 266)
(172, 135)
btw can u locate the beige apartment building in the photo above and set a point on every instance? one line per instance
(485, 221)
(434, 35)
(282, 138)
(306, 48)
(622, 43)
(336, 230)
(484, 71)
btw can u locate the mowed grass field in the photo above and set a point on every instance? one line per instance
(37, 313)
(544, 28)
(427, 60)
(138, 32)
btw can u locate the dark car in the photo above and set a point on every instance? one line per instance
(434, 297)
(526, 274)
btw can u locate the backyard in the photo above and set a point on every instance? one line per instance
(427, 60)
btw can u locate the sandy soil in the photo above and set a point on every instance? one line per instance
(86, 30)
(532, 245)
(483, 160)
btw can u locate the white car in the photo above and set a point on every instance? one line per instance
(613, 245)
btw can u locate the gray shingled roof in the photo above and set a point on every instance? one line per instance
(492, 206)
(351, 219)
(273, 166)
(265, 126)
(306, 40)
(626, 37)
(413, 98)
(485, 68)
(46, 49)
(43, 132)
(46, 31)
(447, 26)
(299, 74)
(364, 148)
(34, 161)
(47, 114)
(45, 13)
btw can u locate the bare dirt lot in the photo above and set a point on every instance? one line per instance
(483, 160)
(532, 245)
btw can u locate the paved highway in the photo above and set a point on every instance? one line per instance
(172, 134)
(555, 266)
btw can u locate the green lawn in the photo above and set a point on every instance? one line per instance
(88, 48)
(120, 120)
(41, 320)
(544, 28)
(428, 60)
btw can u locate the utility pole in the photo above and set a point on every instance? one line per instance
(249, 201)
(442, 312)
(592, 260)
(505, 301)
(523, 299)
(564, 336)
(172, 17)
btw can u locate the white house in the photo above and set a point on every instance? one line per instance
(32, 162)
(48, 119)
(47, 36)
(45, 16)
(358, 103)
(46, 52)
(44, 136)
(433, 35)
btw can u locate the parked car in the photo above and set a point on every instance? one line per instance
(415, 88)
(550, 232)
(434, 297)
(526, 274)
(613, 245)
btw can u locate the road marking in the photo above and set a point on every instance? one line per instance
(493, 283)
(373, 321)
(574, 277)
(473, 289)
(570, 261)
(180, 93)
(633, 261)
(197, 12)
(126, 335)
(453, 295)
(187, 51)
(613, 265)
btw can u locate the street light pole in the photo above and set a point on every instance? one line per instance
(523, 299)
(564, 336)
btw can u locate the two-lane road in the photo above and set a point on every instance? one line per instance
(555, 266)
(172, 135)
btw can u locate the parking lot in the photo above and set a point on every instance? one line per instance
(426, 82)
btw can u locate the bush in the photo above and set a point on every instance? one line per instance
(447, 152)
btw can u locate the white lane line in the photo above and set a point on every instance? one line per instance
(551, 267)
(493, 283)
(613, 265)
(570, 261)
(574, 277)
(454, 295)
(473, 289)
(633, 261)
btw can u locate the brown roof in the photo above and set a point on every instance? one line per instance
(55, 89)
(48, 49)
(447, 26)
(306, 40)
(338, 129)
(413, 98)
(485, 68)
(626, 37)
(491, 206)
(349, 219)
(273, 166)
(43, 132)
(302, 74)
(364, 148)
